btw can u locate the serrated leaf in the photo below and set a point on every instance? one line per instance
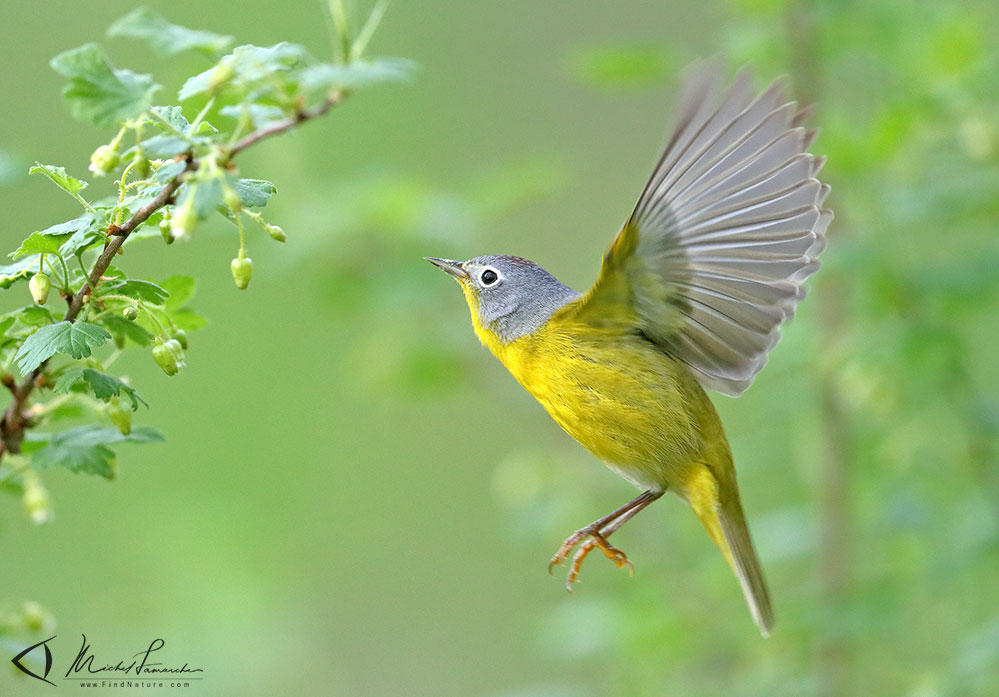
(172, 115)
(37, 243)
(82, 240)
(58, 175)
(181, 290)
(139, 290)
(84, 448)
(103, 386)
(167, 38)
(32, 315)
(19, 269)
(119, 326)
(75, 339)
(254, 193)
(250, 64)
(97, 92)
(361, 73)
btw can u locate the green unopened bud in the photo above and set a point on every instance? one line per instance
(104, 159)
(168, 358)
(130, 313)
(242, 271)
(184, 219)
(181, 337)
(39, 286)
(165, 231)
(276, 233)
(232, 200)
(36, 501)
(222, 74)
(177, 349)
(120, 417)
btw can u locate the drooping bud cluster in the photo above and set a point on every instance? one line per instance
(169, 356)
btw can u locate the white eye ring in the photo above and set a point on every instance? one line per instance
(489, 276)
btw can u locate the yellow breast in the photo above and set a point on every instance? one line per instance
(635, 408)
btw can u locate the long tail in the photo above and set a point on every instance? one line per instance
(722, 516)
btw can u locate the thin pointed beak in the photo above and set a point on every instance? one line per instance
(452, 267)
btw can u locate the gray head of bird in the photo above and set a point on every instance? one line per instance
(509, 297)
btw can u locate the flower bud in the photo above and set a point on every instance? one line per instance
(36, 501)
(104, 159)
(242, 271)
(276, 233)
(167, 359)
(184, 219)
(130, 313)
(165, 231)
(120, 417)
(181, 337)
(39, 286)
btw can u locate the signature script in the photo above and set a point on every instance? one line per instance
(141, 663)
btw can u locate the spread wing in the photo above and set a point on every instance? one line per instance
(712, 259)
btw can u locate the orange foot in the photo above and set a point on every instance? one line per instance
(596, 539)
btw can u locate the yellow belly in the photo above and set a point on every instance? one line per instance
(638, 410)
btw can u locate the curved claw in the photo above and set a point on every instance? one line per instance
(596, 540)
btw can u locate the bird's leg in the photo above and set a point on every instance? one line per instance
(598, 532)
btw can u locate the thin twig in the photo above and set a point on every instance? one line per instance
(285, 124)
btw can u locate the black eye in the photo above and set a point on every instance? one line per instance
(488, 277)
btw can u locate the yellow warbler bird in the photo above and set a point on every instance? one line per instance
(690, 296)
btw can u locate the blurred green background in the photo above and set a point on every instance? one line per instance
(356, 499)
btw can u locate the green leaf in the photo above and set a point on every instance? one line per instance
(103, 386)
(168, 171)
(361, 73)
(32, 315)
(119, 326)
(19, 269)
(75, 339)
(139, 290)
(97, 92)
(188, 320)
(250, 64)
(38, 243)
(254, 193)
(58, 175)
(181, 290)
(165, 37)
(172, 115)
(70, 226)
(164, 147)
(84, 448)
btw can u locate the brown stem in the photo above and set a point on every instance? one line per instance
(285, 124)
(14, 420)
